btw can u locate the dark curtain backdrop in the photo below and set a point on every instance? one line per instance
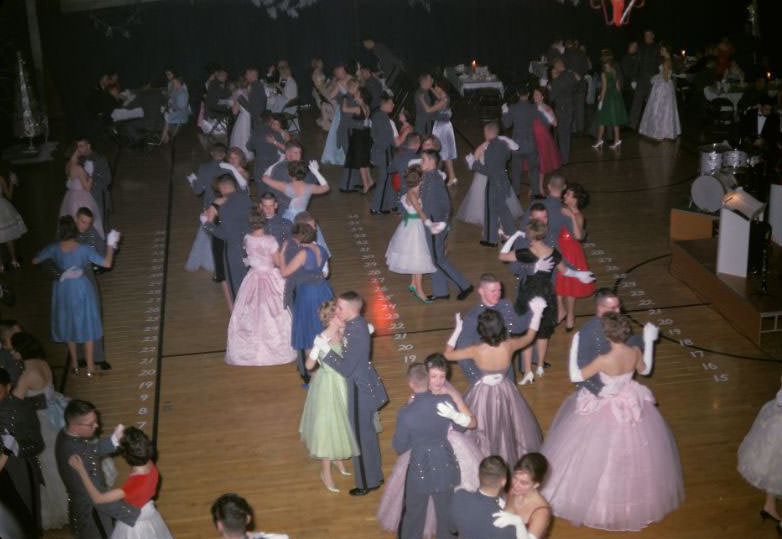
(505, 34)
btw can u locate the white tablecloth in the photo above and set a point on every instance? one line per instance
(463, 84)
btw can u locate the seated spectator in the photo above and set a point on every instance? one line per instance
(233, 517)
(288, 90)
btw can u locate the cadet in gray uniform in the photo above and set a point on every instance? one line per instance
(427, 108)
(89, 236)
(473, 512)
(366, 394)
(88, 521)
(98, 168)
(267, 143)
(436, 203)
(496, 212)
(384, 135)
(255, 102)
(276, 225)
(490, 292)
(279, 172)
(231, 227)
(590, 341)
(562, 93)
(11, 363)
(520, 116)
(203, 185)
(422, 428)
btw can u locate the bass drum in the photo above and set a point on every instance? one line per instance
(707, 191)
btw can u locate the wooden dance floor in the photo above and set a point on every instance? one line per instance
(235, 429)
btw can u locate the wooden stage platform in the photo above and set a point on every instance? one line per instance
(749, 309)
(229, 429)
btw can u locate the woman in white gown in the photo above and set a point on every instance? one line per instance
(759, 456)
(11, 224)
(240, 133)
(443, 130)
(661, 115)
(407, 251)
(472, 208)
(78, 194)
(35, 380)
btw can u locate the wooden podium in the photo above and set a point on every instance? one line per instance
(689, 224)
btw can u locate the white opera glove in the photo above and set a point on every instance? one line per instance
(470, 158)
(265, 535)
(585, 277)
(512, 145)
(651, 333)
(508, 245)
(447, 410)
(268, 171)
(203, 218)
(325, 270)
(573, 370)
(71, 273)
(89, 168)
(320, 345)
(10, 443)
(112, 238)
(536, 305)
(435, 228)
(633, 85)
(191, 178)
(237, 176)
(503, 519)
(442, 174)
(370, 328)
(505, 108)
(599, 105)
(779, 398)
(315, 169)
(544, 264)
(116, 436)
(414, 162)
(457, 330)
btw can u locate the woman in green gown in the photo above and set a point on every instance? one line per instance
(324, 425)
(610, 108)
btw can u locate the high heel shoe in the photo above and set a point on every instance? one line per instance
(330, 489)
(539, 371)
(615, 145)
(343, 471)
(597, 145)
(411, 288)
(91, 374)
(528, 379)
(765, 515)
(75, 371)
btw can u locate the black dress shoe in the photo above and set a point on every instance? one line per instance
(344, 190)
(464, 293)
(488, 244)
(435, 298)
(363, 491)
(385, 212)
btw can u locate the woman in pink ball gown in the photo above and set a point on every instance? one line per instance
(259, 332)
(614, 462)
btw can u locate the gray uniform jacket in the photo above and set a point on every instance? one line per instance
(203, 184)
(592, 342)
(472, 515)
(520, 117)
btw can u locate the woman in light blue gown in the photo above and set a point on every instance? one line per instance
(333, 153)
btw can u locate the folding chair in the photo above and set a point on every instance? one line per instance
(292, 118)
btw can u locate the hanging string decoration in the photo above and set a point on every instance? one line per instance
(620, 10)
(30, 120)
(122, 29)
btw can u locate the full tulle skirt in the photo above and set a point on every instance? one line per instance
(613, 461)
(324, 426)
(389, 512)
(240, 134)
(201, 253)
(259, 332)
(443, 130)
(12, 226)
(150, 525)
(407, 251)
(79, 198)
(333, 154)
(760, 454)
(473, 209)
(506, 425)
(661, 115)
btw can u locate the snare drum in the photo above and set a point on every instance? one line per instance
(707, 191)
(735, 159)
(711, 158)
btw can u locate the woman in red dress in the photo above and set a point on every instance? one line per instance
(138, 490)
(549, 158)
(568, 289)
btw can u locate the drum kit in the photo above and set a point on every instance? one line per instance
(722, 169)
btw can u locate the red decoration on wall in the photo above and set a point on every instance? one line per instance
(620, 10)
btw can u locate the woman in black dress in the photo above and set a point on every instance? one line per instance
(540, 284)
(355, 118)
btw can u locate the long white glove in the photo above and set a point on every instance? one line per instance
(370, 328)
(544, 264)
(510, 142)
(573, 368)
(505, 108)
(503, 519)
(325, 270)
(470, 158)
(633, 85)
(585, 277)
(435, 228)
(238, 177)
(779, 398)
(268, 171)
(191, 178)
(457, 330)
(536, 305)
(71, 273)
(203, 218)
(414, 162)
(320, 345)
(651, 333)
(508, 245)
(447, 410)
(599, 105)
(89, 168)
(10, 443)
(315, 169)
(265, 535)
(112, 239)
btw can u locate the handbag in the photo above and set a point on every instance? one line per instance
(396, 182)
